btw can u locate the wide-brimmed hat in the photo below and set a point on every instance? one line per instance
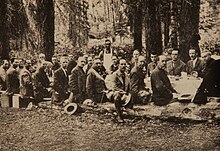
(126, 98)
(71, 108)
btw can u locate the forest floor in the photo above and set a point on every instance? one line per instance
(50, 130)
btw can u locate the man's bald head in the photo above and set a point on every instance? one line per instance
(141, 61)
(162, 63)
(206, 56)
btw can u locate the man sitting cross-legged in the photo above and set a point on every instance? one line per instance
(160, 83)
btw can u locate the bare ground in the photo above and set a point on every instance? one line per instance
(45, 130)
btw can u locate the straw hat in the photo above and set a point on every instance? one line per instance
(71, 108)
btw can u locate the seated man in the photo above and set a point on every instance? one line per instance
(160, 83)
(134, 59)
(77, 82)
(88, 65)
(208, 60)
(3, 69)
(41, 84)
(210, 86)
(151, 66)
(61, 82)
(95, 83)
(195, 65)
(119, 86)
(26, 82)
(114, 65)
(12, 78)
(55, 64)
(137, 84)
(175, 66)
(71, 64)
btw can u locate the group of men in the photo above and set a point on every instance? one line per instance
(87, 78)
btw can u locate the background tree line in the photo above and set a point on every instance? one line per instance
(30, 24)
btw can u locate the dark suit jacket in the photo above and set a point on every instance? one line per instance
(12, 81)
(118, 84)
(161, 86)
(77, 83)
(207, 66)
(198, 66)
(95, 84)
(55, 66)
(210, 85)
(177, 68)
(71, 64)
(61, 83)
(137, 80)
(41, 83)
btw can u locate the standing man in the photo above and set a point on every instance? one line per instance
(195, 65)
(120, 87)
(175, 66)
(61, 82)
(77, 82)
(160, 83)
(137, 77)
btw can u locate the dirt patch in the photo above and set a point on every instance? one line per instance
(45, 129)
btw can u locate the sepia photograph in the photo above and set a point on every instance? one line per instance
(109, 75)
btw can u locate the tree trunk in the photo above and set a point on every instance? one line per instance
(189, 27)
(138, 26)
(153, 27)
(45, 21)
(4, 41)
(166, 21)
